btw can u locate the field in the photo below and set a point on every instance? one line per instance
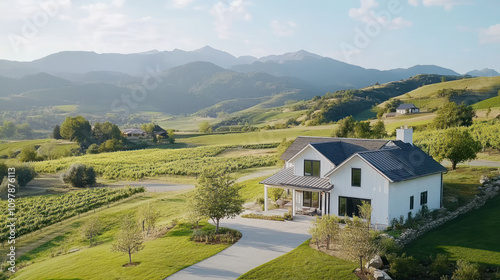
(34, 213)
(479, 89)
(473, 237)
(264, 136)
(157, 162)
(488, 103)
(303, 263)
(161, 256)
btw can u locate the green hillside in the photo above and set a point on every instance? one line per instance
(470, 91)
(488, 103)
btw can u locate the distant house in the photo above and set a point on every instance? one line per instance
(134, 133)
(390, 115)
(158, 131)
(407, 108)
(335, 175)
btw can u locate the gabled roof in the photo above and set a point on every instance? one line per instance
(406, 106)
(347, 146)
(399, 162)
(285, 178)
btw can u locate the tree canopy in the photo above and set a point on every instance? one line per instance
(457, 146)
(452, 115)
(76, 129)
(216, 196)
(348, 127)
(205, 127)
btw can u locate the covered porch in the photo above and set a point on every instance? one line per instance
(309, 194)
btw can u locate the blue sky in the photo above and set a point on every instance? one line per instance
(459, 34)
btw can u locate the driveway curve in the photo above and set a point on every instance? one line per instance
(262, 241)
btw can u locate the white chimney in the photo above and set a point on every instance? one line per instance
(405, 134)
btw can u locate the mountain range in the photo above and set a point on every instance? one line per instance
(186, 81)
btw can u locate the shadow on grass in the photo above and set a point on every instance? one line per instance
(473, 236)
(44, 247)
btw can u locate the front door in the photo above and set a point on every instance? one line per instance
(312, 199)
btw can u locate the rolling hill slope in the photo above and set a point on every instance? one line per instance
(470, 91)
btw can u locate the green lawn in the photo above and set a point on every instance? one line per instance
(463, 182)
(473, 237)
(303, 263)
(160, 257)
(488, 103)
(252, 189)
(265, 136)
(11, 146)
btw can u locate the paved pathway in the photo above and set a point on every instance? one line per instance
(477, 162)
(262, 241)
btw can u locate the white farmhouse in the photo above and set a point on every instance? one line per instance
(407, 108)
(335, 175)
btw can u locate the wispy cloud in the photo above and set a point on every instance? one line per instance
(447, 4)
(225, 13)
(366, 13)
(179, 4)
(490, 34)
(283, 28)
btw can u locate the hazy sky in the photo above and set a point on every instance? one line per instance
(459, 34)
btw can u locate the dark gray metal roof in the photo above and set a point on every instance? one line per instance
(406, 106)
(285, 178)
(335, 149)
(402, 162)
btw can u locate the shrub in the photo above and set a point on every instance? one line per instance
(79, 175)
(93, 149)
(275, 193)
(28, 153)
(404, 267)
(466, 271)
(225, 235)
(439, 266)
(263, 217)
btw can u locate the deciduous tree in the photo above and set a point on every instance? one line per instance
(79, 175)
(149, 216)
(457, 146)
(129, 239)
(205, 127)
(91, 228)
(216, 196)
(76, 129)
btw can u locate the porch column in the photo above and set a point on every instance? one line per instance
(323, 204)
(265, 197)
(294, 198)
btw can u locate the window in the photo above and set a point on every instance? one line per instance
(348, 206)
(356, 177)
(411, 202)
(423, 198)
(311, 168)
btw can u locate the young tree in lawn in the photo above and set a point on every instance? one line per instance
(216, 196)
(149, 215)
(91, 228)
(457, 146)
(129, 239)
(357, 243)
(365, 212)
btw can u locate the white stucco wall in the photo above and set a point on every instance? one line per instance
(310, 153)
(400, 192)
(373, 186)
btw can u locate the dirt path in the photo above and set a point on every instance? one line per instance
(478, 162)
(259, 173)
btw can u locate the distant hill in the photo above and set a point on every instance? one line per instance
(181, 90)
(81, 62)
(486, 72)
(470, 91)
(330, 74)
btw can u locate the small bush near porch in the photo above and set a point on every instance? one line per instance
(304, 263)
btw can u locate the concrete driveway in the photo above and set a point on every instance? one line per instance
(262, 241)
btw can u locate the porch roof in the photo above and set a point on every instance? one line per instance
(285, 178)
